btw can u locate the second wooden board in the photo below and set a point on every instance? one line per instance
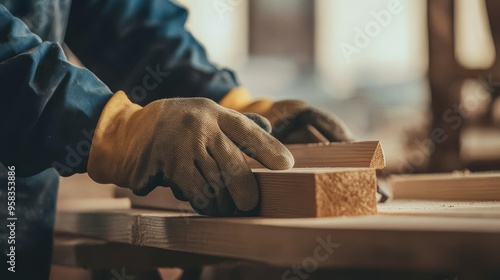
(368, 154)
(452, 186)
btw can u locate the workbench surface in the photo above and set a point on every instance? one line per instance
(412, 235)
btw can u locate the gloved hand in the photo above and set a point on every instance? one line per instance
(192, 145)
(292, 121)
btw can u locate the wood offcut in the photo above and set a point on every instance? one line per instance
(483, 186)
(328, 179)
(368, 154)
(299, 192)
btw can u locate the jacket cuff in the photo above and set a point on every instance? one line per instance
(239, 99)
(111, 129)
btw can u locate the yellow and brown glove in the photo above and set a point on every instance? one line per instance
(292, 121)
(192, 145)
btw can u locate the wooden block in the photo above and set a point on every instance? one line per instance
(375, 242)
(367, 154)
(358, 154)
(317, 192)
(451, 186)
(299, 192)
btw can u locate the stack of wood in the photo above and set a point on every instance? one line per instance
(80, 193)
(328, 180)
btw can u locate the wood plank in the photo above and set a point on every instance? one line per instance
(377, 242)
(159, 198)
(367, 154)
(437, 208)
(480, 144)
(299, 192)
(85, 252)
(81, 186)
(86, 204)
(450, 186)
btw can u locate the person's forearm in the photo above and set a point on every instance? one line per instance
(143, 48)
(48, 107)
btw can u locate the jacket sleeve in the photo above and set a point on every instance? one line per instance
(143, 48)
(49, 108)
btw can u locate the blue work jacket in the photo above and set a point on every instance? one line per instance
(49, 107)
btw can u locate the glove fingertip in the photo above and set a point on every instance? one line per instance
(288, 161)
(284, 160)
(260, 121)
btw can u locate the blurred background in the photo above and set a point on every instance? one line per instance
(368, 62)
(420, 76)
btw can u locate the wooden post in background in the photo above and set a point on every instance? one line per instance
(282, 28)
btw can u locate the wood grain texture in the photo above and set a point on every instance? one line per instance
(464, 209)
(159, 198)
(86, 204)
(367, 154)
(317, 192)
(81, 186)
(91, 253)
(377, 242)
(299, 192)
(451, 186)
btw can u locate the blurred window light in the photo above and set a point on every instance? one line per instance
(474, 45)
(370, 42)
(222, 27)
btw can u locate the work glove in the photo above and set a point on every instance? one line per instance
(192, 145)
(292, 121)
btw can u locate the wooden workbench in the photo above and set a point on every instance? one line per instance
(405, 235)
